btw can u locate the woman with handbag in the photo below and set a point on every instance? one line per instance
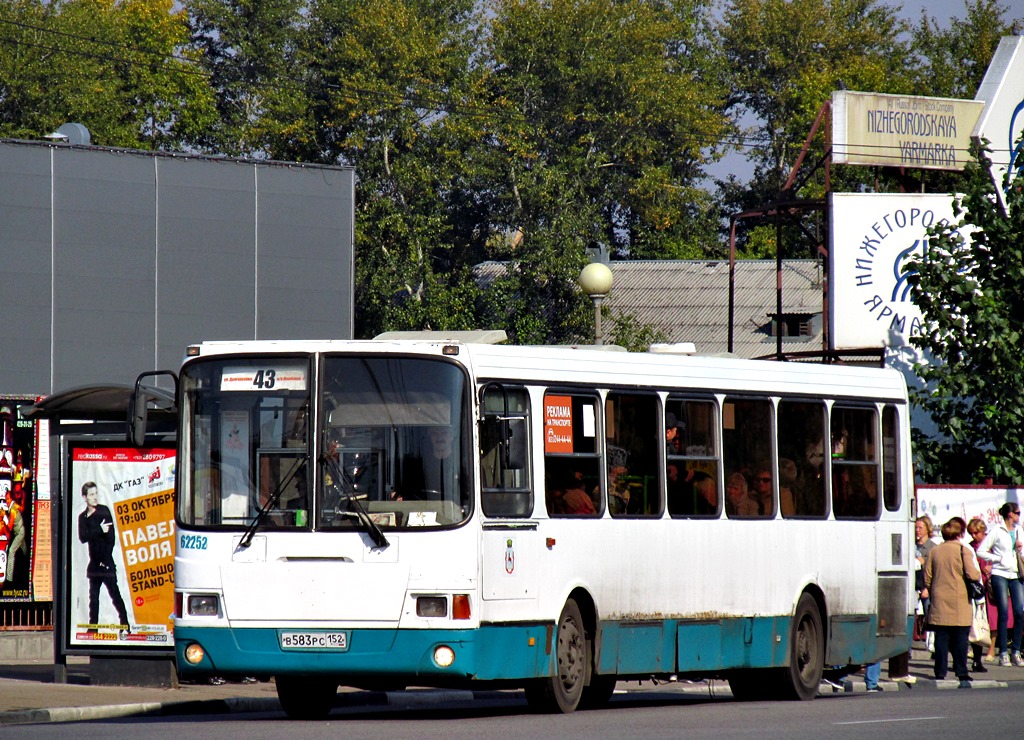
(978, 530)
(950, 611)
(1001, 547)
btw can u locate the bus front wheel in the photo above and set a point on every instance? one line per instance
(305, 697)
(562, 692)
(802, 677)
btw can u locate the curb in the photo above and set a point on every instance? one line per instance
(236, 705)
(928, 684)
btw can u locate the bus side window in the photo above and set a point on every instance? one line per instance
(891, 458)
(854, 463)
(505, 452)
(746, 452)
(634, 480)
(801, 429)
(572, 458)
(692, 458)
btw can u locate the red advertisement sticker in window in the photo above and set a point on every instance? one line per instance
(558, 424)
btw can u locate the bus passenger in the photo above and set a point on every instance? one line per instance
(787, 486)
(706, 490)
(737, 500)
(673, 440)
(569, 496)
(618, 489)
(762, 494)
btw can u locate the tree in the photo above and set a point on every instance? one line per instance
(605, 115)
(388, 83)
(951, 62)
(971, 296)
(112, 65)
(785, 58)
(249, 48)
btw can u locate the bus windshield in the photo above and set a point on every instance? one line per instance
(391, 448)
(393, 431)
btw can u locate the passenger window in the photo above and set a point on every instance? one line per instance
(801, 459)
(890, 458)
(572, 468)
(631, 433)
(505, 452)
(854, 463)
(691, 458)
(747, 456)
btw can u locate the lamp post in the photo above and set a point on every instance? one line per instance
(596, 281)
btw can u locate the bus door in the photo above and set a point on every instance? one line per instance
(509, 539)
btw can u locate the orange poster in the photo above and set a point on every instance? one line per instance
(557, 424)
(121, 549)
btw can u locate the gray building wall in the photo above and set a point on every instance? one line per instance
(113, 261)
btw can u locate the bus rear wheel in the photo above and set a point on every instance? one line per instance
(306, 697)
(562, 692)
(802, 677)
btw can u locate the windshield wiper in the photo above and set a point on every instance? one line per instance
(371, 527)
(271, 502)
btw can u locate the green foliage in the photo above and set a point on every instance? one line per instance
(633, 335)
(108, 64)
(951, 62)
(249, 50)
(971, 298)
(787, 56)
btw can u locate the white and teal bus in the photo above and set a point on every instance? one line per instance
(444, 512)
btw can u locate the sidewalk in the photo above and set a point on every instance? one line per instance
(28, 694)
(922, 669)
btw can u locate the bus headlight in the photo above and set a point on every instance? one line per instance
(194, 653)
(444, 656)
(203, 605)
(431, 606)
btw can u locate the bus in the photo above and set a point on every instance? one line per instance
(445, 512)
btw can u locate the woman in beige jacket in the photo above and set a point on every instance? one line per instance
(950, 611)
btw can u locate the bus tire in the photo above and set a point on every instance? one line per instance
(751, 685)
(598, 692)
(305, 697)
(563, 691)
(802, 677)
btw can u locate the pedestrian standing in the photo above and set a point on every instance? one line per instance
(1000, 548)
(950, 611)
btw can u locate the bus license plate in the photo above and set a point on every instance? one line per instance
(314, 640)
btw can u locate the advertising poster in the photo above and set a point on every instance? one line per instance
(120, 525)
(17, 500)
(42, 521)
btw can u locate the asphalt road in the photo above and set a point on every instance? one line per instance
(632, 714)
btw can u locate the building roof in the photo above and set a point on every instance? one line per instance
(688, 301)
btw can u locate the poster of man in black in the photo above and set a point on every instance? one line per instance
(96, 529)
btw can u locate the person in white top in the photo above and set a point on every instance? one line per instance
(1000, 548)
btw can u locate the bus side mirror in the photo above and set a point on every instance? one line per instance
(138, 405)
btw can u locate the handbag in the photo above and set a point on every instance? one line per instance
(1020, 566)
(981, 633)
(975, 589)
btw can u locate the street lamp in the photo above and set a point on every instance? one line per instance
(596, 281)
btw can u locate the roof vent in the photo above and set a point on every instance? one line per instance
(677, 348)
(71, 133)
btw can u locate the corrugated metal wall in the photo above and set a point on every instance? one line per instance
(113, 261)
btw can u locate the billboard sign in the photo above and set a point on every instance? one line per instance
(1002, 121)
(119, 528)
(902, 130)
(872, 237)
